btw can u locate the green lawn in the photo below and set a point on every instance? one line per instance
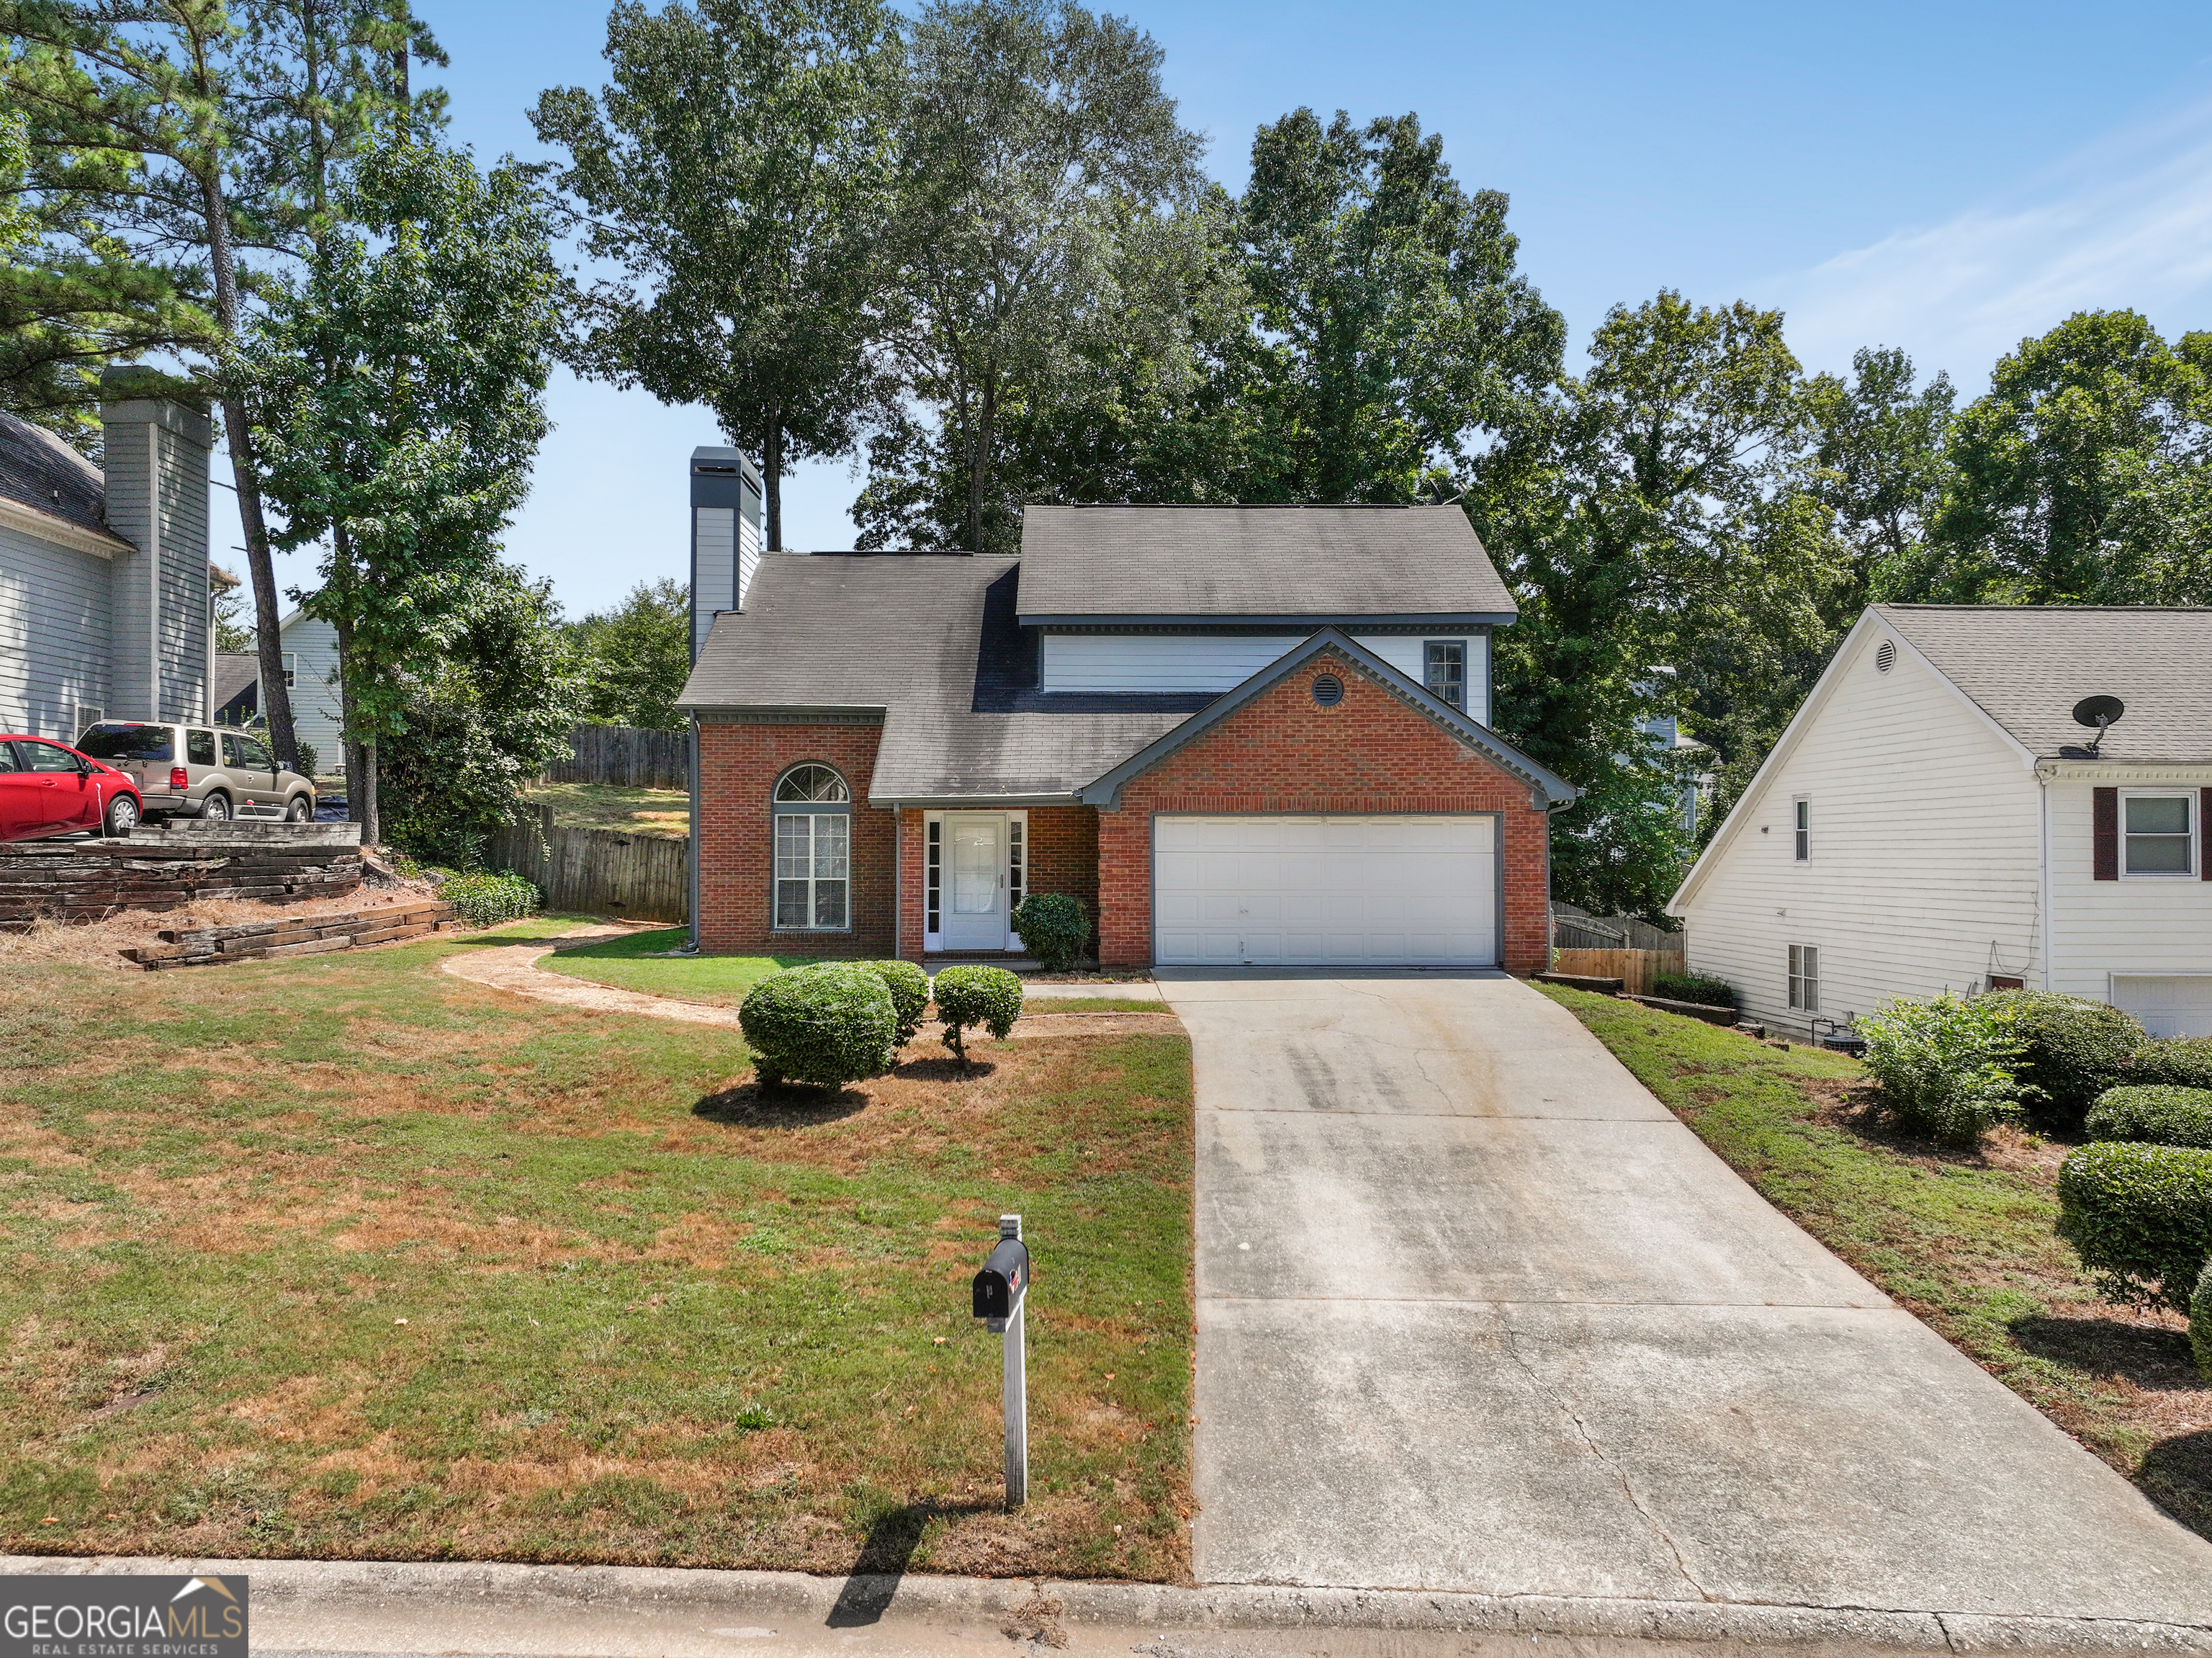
(640, 962)
(347, 1256)
(665, 813)
(1963, 1239)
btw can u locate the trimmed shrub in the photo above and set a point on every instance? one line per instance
(485, 898)
(909, 991)
(2140, 1217)
(988, 997)
(2200, 1321)
(829, 1025)
(1694, 987)
(2176, 1062)
(2153, 1116)
(1053, 928)
(1945, 1067)
(2071, 1050)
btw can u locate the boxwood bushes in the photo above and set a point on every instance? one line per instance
(2157, 1116)
(829, 1024)
(909, 991)
(988, 997)
(1053, 928)
(1697, 988)
(2071, 1050)
(2141, 1218)
(2200, 1321)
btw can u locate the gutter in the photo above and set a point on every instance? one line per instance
(691, 871)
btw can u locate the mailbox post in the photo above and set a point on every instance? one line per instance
(1001, 1293)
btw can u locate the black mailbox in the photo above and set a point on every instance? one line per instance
(999, 1285)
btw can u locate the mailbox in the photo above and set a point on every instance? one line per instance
(1000, 1285)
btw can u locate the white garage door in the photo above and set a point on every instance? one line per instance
(2178, 1004)
(1379, 892)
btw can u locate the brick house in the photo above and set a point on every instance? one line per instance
(1238, 734)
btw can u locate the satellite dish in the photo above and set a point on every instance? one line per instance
(2098, 712)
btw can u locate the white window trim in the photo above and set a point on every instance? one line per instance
(933, 943)
(2193, 816)
(1800, 804)
(1428, 644)
(780, 809)
(1791, 980)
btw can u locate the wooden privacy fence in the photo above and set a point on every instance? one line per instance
(1633, 968)
(1578, 929)
(601, 872)
(626, 757)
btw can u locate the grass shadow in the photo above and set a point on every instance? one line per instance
(944, 1070)
(2152, 1357)
(795, 1105)
(885, 1555)
(2176, 1475)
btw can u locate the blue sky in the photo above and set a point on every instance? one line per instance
(1946, 178)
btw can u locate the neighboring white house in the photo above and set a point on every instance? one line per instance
(1935, 818)
(311, 673)
(103, 577)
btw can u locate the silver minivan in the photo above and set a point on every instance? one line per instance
(199, 771)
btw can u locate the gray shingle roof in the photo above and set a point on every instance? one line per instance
(37, 469)
(2026, 666)
(929, 640)
(1318, 562)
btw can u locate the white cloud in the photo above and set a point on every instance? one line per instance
(2124, 224)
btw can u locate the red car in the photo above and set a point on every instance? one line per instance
(47, 788)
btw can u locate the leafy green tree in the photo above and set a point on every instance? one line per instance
(1879, 464)
(1396, 330)
(401, 387)
(1041, 167)
(737, 170)
(483, 721)
(169, 125)
(635, 657)
(1639, 513)
(2081, 477)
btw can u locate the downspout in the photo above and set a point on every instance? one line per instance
(898, 882)
(2042, 898)
(691, 861)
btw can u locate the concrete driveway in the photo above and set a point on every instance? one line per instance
(1476, 1313)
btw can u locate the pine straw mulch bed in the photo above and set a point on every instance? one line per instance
(349, 1258)
(1964, 1239)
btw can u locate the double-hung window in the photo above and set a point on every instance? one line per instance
(813, 850)
(1805, 977)
(1801, 830)
(2160, 832)
(1444, 666)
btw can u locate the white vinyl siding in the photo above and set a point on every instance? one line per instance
(2142, 925)
(54, 634)
(311, 650)
(1322, 891)
(1215, 663)
(1929, 861)
(715, 573)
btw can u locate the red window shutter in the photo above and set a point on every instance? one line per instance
(2105, 818)
(2204, 834)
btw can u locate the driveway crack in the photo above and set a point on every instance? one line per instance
(1589, 1443)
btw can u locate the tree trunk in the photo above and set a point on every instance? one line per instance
(371, 823)
(772, 476)
(275, 700)
(979, 460)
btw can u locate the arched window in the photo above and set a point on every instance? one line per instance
(813, 850)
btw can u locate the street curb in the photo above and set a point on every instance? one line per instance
(859, 1601)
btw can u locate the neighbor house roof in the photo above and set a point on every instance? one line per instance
(2026, 667)
(1283, 564)
(929, 641)
(40, 472)
(234, 673)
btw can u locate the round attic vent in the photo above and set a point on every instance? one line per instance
(1884, 657)
(1329, 690)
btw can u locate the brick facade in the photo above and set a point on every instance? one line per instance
(738, 765)
(1284, 753)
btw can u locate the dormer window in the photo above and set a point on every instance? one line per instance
(1446, 671)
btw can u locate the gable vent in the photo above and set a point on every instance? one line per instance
(1885, 658)
(1328, 691)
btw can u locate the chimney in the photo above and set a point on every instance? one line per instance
(157, 457)
(725, 535)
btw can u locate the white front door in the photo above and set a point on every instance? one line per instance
(976, 882)
(1377, 891)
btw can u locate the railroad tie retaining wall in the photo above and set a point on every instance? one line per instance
(88, 880)
(216, 947)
